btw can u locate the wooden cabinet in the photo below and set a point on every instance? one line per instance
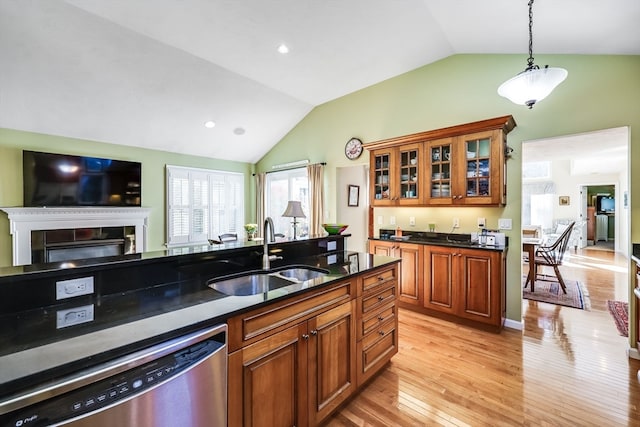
(395, 176)
(467, 283)
(410, 287)
(377, 334)
(293, 362)
(462, 165)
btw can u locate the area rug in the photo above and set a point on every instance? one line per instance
(549, 291)
(620, 312)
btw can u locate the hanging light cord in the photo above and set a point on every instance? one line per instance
(530, 64)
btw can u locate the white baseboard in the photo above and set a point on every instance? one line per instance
(512, 324)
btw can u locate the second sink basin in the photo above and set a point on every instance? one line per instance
(302, 273)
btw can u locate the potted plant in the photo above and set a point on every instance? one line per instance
(251, 230)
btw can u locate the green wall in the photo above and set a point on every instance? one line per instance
(12, 143)
(600, 92)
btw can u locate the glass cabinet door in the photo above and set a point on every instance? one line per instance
(382, 175)
(409, 162)
(478, 167)
(440, 160)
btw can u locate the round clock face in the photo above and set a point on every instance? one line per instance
(353, 148)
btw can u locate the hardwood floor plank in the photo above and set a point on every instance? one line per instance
(568, 367)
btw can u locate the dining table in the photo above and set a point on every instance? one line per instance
(529, 245)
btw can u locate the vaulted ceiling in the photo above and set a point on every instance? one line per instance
(150, 73)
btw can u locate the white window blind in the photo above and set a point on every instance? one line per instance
(203, 204)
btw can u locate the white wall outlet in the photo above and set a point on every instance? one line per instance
(412, 221)
(74, 287)
(380, 220)
(74, 316)
(504, 224)
(392, 220)
(456, 222)
(482, 222)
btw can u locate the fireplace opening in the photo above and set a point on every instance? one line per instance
(81, 243)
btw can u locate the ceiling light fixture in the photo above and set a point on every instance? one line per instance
(533, 84)
(209, 124)
(283, 49)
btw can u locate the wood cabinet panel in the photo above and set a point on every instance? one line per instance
(410, 289)
(439, 285)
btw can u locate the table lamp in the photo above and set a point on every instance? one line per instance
(294, 210)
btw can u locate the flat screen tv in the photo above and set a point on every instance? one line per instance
(66, 180)
(605, 204)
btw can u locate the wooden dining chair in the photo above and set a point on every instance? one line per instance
(553, 255)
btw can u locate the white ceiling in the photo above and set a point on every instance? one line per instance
(149, 73)
(599, 152)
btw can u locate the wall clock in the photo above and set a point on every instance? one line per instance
(353, 148)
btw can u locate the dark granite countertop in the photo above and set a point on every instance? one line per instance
(35, 349)
(457, 240)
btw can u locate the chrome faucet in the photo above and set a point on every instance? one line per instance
(266, 259)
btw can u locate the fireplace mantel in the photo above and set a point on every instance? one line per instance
(22, 221)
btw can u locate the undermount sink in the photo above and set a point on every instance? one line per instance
(257, 282)
(302, 274)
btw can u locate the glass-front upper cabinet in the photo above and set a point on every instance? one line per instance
(410, 165)
(381, 176)
(440, 171)
(483, 178)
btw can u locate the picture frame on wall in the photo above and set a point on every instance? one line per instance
(353, 195)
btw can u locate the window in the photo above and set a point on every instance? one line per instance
(202, 204)
(536, 170)
(292, 184)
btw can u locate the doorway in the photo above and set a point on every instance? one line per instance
(599, 206)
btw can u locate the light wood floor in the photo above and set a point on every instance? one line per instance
(568, 367)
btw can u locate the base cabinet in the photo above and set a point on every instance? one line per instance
(410, 289)
(294, 362)
(467, 283)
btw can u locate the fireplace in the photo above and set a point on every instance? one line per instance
(58, 234)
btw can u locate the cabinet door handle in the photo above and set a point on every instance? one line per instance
(305, 336)
(314, 332)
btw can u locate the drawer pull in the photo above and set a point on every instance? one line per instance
(380, 298)
(380, 278)
(380, 318)
(380, 333)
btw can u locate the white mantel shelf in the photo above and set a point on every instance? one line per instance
(22, 221)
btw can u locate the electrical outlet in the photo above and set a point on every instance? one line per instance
(74, 316)
(412, 221)
(505, 224)
(392, 220)
(456, 222)
(74, 287)
(380, 220)
(482, 223)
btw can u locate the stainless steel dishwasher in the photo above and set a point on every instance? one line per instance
(181, 382)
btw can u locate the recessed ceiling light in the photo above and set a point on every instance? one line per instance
(283, 49)
(209, 124)
(239, 131)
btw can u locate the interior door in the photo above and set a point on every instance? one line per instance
(583, 217)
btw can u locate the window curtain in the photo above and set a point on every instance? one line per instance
(315, 173)
(260, 201)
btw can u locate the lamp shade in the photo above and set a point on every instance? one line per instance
(532, 85)
(294, 210)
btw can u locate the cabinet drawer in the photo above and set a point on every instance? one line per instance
(379, 278)
(374, 319)
(255, 324)
(376, 349)
(382, 297)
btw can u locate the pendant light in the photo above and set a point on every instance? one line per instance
(534, 83)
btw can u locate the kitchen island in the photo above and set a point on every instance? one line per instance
(141, 299)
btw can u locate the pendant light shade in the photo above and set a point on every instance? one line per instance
(534, 83)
